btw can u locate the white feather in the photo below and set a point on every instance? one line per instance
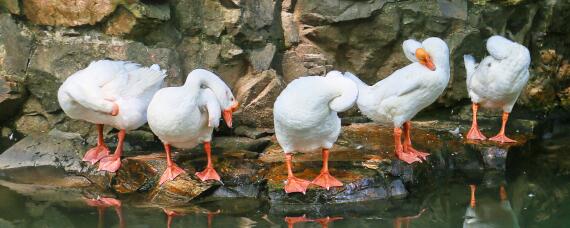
(186, 116)
(89, 93)
(400, 96)
(499, 79)
(305, 113)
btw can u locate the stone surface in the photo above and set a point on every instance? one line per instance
(54, 149)
(256, 94)
(68, 12)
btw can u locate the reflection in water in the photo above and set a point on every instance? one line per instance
(170, 214)
(325, 221)
(399, 221)
(101, 203)
(490, 214)
(291, 221)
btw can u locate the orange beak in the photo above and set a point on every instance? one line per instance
(424, 58)
(227, 114)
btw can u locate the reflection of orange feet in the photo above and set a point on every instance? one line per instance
(170, 173)
(502, 138)
(475, 134)
(295, 184)
(95, 154)
(417, 153)
(293, 220)
(208, 174)
(326, 180)
(110, 163)
(407, 157)
(325, 221)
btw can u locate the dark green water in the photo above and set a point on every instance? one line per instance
(536, 179)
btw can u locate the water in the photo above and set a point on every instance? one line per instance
(535, 182)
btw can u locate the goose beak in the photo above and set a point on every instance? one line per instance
(227, 114)
(425, 59)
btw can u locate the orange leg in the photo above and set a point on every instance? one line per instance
(400, 153)
(211, 217)
(501, 137)
(408, 142)
(291, 221)
(474, 133)
(113, 162)
(294, 184)
(325, 221)
(172, 170)
(170, 216)
(101, 220)
(209, 173)
(503, 193)
(100, 151)
(472, 202)
(407, 220)
(325, 179)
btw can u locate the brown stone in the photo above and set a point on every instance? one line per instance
(121, 23)
(256, 94)
(68, 12)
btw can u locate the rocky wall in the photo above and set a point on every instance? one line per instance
(258, 46)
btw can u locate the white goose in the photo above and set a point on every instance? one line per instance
(186, 116)
(113, 93)
(497, 81)
(305, 118)
(398, 98)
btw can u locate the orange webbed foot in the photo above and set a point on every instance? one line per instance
(417, 153)
(110, 163)
(170, 173)
(475, 134)
(407, 157)
(299, 219)
(95, 154)
(295, 184)
(208, 174)
(327, 181)
(502, 138)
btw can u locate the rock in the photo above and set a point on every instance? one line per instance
(239, 143)
(253, 133)
(315, 13)
(121, 23)
(261, 58)
(256, 94)
(290, 29)
(13, 6)
(303, 60)
(45, 150)
(15, 47)
(68, 12)
(137, 19)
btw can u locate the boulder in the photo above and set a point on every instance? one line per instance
(256, 94)
(68, 12)
(57, 149)
(15, 48)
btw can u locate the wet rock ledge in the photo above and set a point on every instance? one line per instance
(251, 165)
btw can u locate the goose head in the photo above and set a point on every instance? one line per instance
(434, 53)
(224, 95)
(410, 46)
